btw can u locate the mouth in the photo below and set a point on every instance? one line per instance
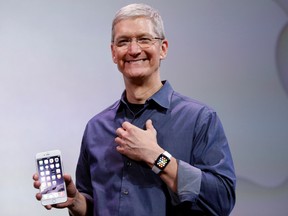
(135, 61)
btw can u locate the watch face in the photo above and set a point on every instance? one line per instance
(162, 161)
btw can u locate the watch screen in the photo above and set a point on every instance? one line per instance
(162, 161)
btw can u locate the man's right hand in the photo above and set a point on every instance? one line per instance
(71, 192)
(76, 202)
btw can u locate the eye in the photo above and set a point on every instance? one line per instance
(144, 40)
(122, 42)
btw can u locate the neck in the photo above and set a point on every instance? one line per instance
(138, 93)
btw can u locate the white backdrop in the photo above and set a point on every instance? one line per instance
(56, 72)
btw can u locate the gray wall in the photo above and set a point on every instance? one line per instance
(56, 72)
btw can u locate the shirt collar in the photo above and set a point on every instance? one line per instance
(161, 97)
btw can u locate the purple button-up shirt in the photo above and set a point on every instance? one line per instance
(189, 130)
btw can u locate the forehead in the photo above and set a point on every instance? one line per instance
(133, 27)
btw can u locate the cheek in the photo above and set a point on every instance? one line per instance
(117, 57)
(119, 63)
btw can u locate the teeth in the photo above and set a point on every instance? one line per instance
(135, 60)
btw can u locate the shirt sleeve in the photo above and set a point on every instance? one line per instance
(188, 184)
(83, 176)
(208, 180)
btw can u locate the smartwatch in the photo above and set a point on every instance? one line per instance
(161, 162)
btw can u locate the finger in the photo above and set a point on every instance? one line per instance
(35, 177)
(120, 149)
(126, 125)
(38, 196)
(70, 186)
(48, 207)
(120, 132)
(37, 184)
(119, 141)
(67, 178)
(60, 205)
(149, 125)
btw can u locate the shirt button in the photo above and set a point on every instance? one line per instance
(128, 164)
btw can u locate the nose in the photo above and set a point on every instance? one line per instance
(134, 47)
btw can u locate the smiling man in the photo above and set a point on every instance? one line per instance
(137, 49)
(154, 151)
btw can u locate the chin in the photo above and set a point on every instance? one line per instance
(135, 72)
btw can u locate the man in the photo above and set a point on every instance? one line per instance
(155, 151)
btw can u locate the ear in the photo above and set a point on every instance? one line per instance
(164, 49)
(113, 54)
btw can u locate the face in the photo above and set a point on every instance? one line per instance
(133, 61)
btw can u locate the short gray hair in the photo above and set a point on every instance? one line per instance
(140, 10)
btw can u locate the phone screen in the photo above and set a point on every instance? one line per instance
(51, 177)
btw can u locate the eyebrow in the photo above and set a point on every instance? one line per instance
(137, 36)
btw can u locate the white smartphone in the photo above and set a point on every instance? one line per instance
(50, 170)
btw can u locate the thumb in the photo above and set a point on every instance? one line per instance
(70, 186)
(149, 125)
(68, 179)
